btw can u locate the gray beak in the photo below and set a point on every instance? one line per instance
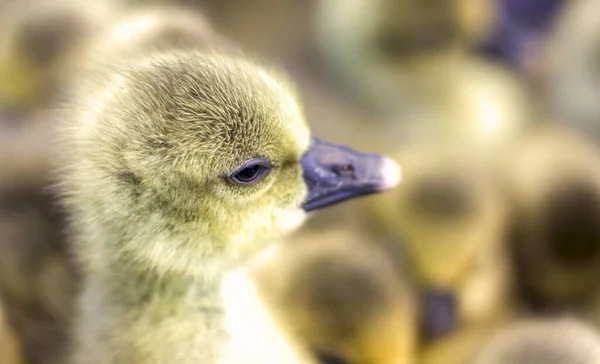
(336, 173)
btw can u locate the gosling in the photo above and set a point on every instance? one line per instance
(176, 166)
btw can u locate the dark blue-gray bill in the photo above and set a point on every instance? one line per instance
(335, 173)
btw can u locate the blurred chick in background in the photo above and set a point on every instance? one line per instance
(409, 61)
(450, 116)
(376, 46)
(152, 27)
(37, 39)
(345, 297)
(426, 85)
(572, 78)
(554, 189)
(450, 217)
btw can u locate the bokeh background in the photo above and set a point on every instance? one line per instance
(491, 107)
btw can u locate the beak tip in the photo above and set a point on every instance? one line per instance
(391, 173)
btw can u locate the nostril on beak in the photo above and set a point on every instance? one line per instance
(345, 170)
(335, 173)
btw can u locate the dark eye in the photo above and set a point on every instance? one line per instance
(251, 172)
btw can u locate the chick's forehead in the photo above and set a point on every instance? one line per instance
(222, 104)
